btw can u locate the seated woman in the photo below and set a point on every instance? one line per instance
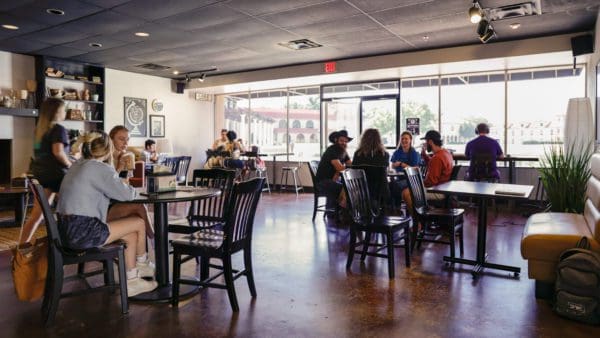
(371, 152)
(121, 158)
(404, 156)
(234, 148)
(86, 192)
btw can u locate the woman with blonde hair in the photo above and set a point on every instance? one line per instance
(50, 161)
(86, 192)
(123, 160)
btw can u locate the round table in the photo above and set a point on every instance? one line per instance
(161, 238)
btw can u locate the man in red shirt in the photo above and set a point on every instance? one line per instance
(439, 166)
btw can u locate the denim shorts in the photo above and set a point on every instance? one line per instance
(82, 232)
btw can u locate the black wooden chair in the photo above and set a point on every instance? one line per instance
(182, 167)
(206, 213)
(436, 222)
(312, 166)
(59, 256)
(377, 182)
(222, 244)
(480, 168)
(365, 219)
(171, 162)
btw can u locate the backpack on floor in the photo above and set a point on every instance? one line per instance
(577, 289)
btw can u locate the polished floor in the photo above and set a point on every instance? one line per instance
(304, 290)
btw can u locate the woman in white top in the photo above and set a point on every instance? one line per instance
(86, 192)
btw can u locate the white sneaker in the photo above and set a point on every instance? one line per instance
(146, 269)
(137, 285)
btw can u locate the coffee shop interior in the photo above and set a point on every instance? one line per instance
(302, 168)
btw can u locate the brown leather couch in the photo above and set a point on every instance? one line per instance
(547, 235)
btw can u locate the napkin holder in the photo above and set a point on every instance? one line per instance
(161, 182)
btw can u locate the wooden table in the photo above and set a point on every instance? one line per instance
(511, 159)
(161, 238)
(482, 192)
(18, 196)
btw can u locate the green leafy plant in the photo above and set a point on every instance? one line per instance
(565, 176)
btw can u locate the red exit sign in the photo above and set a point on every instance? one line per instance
(330, 67)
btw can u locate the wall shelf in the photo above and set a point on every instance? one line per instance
(74, 80)
(84, 101)
(24, 112)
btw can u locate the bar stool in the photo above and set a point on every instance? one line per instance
(286, 171)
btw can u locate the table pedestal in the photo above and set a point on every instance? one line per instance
(481, 260)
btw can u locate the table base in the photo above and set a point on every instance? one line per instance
(479, 266)
(162, 294)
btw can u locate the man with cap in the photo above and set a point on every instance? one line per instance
(439, 166)
(483, 151)
(334, 160)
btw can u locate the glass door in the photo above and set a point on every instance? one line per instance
(342, 114)
(381, 113)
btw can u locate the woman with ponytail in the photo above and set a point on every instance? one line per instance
(50, 161)
(86, 192)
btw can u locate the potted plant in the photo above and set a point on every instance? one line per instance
(565, 175)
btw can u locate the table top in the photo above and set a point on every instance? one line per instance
(462, 157)
(483, 189)
(176, 196)
(8, 190)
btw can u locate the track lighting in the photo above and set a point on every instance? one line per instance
(485, 31)
(475, 12)
(202, 77)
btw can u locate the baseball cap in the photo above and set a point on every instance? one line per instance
(432, 135)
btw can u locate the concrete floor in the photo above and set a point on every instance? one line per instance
(304, 290)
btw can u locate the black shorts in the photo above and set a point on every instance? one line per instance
(82, 232)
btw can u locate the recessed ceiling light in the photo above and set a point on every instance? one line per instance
(515, 25)
(175, 72)
(143, 34)
(11, 27)
(425, 37)
(95, 44)
(55, 11)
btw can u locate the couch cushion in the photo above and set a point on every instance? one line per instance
(547, 235)
(595, 165)
(593, 191)
(592, 217)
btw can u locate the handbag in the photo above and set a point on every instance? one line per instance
(29, 266)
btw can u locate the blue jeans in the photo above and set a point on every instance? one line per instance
(332, 189)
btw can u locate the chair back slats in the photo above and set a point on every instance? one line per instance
(213, 208)
(171, 162)
(417, 190)
(240, 217)
(454, 173)
(183, 165)
(312, 166)
(481, 166)
(51, 224)
(357, 195)
(376, 181)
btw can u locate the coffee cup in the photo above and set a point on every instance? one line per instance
(95, 97)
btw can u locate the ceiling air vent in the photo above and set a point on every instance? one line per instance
(152, 66)
(528, 8)
(300, 44)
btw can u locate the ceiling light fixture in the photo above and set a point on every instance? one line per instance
(142, 34)
(11, 27)
(475, 12)
(202, 77)
(55, 11)
(175, 72)
(485, 31)
(95, 44)
(515, 25)
(425, 37)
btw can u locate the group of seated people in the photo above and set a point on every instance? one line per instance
(86, 185)
(434, 158)
(226, 152)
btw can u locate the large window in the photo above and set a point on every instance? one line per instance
(236, 109)
(537, 104)
(305, 114)
(468, 100)
(269, 114)
(419, 98)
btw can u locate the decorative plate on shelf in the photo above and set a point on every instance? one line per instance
(157, 105)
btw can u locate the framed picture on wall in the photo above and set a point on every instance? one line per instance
(157, 126)
(135, 111)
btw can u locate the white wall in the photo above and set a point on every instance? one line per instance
(15, 70)
(189, 123)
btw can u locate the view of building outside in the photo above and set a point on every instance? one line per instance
(282, 121)
(537, 106)
(468, 100)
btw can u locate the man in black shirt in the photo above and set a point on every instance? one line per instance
(334, 160)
